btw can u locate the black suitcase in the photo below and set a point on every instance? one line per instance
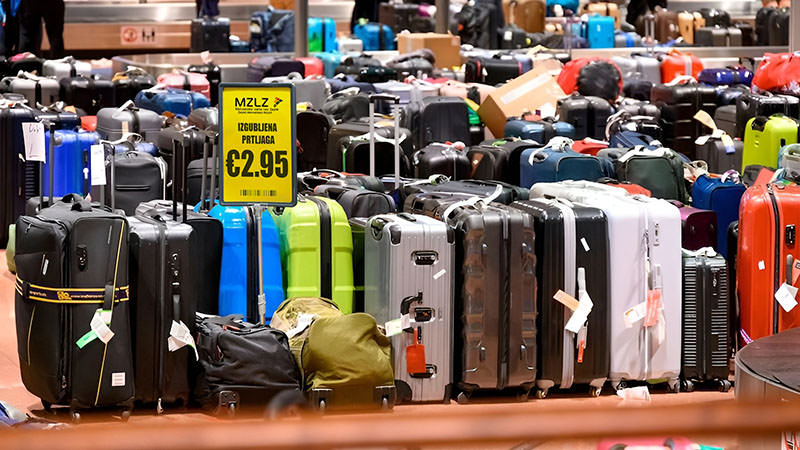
(398, 16)
(88, 94)
(748, 35)
(625, 121)
(678, 106)
(706, 341)
(441, 159)
(313, 128)
(725, 118)
(192, 140)
(471, 188)
(491, 70)
(720, 159)
(638, 90)
(342, 133)
(267, 66)
(30, 64)
(346, 107)
(718, 37)
(438, 119)
(489, 162)
(587, 114)
(763, 30)
(358, 202)
(716, 17)
(640, 108)
(779, 27)
(729, 95)
(136, 177)
(567, 358)
(733, 306)
(751, 105)
(514, 147)
(128, 83)
(214, 75)
(477, 24)
(210, 34)
(495, 300)
(72, 263)
(196, 171)
(352, 65)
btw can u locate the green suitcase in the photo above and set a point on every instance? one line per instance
(765, 136)
(317, 251)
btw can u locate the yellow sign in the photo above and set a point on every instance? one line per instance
(257, 151)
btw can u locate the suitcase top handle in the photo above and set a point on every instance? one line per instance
(386, 97)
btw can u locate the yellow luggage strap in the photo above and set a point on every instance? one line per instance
(68, 295)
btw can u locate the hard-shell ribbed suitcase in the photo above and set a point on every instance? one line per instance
(133, 177)
(408, 264)
(316, 251)
(638, 352)
(313, 128)
(751, 105)
(480, 188)
(678, 106)
(765, 136)
(72, 260)
(66, 67)
(638, 67)
(488, 162)
(720, 158)
(36, 89)
(567, 358)
(766, 257)
(321, 35)
(438, 119)
(587, 114)
(88, 94)
(495, 294)
(706, 315)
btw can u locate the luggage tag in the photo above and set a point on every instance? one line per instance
(580, 342)
(179, 337)
(785, 295)
(99, 328)
(795, 272)
(415, 355)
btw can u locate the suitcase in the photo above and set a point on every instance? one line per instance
(512, 37)
(748, 33)
(587, 114)
(687, 24)
(190, 140)
(88, 94)
(637, 353)
(375, 36)
(718, 37)
(659, 170)
(187, 81)
(765, 136)
(491, 70)
(627, 39)
(678, 106)
(136, 177)
(308, 90)
(567, 357)
(476, 24)
(526, 14)
(213, 74)
(699, 227)
(24, 62)
(398, 16)
(725, 77)
(350, 44)
(348, 146)
(638, 90)
(36, 89)
(69, 160)
(473, 188)
(630, 188)
(506, 160)
(765, 259)
(263, 29)
(779, 27)
(627, 139)
(540, 131)
(666, 26)
(751, 105)
(600, 31)
(556, 162)
(177, 101)
(589, 146)
(730, 95)
(313, 128)
(318, 264)
(441, 159)
(321, 35)
(722, 196)
(352, 65)
(495, 294)
(604, 9)
(210, 34)
(762, 27)
(128, 83)
(438, 119)
(65, 364)
(113, 123)
(204, 119)
(66, 68)
(716, 17)
(312, 66)
(330, 61)
(489, 162)
(725, 118)
(417, 64)
(558, 8)
(674, 65)
(357, 202)
(720, 158)
(421, 249)
(267, 66)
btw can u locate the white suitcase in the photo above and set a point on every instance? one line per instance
(350, 45)
(637, 353)
(66, 67)
(408, 260)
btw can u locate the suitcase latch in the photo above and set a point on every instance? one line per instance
(83, 257)
(789, 234)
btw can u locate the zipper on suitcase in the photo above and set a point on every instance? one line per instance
(325, 242)
(162, 296)
(778, 239)
(505, 296)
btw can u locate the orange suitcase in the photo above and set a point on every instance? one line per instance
(768, 219)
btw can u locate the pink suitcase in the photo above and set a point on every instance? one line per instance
(188, 81)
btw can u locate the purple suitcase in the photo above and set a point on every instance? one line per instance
(699, 227)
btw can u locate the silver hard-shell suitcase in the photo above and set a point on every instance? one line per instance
(36, 89)
(408, 261)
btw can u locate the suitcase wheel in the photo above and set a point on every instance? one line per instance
(522, 396)
(126, 414)
(322, 406)
(385, 403)
(595, 391)
(541, 393)
(687, 386)
(463, 398)
(674, 386)
(619, 385)
(76, 417)
(724, 385)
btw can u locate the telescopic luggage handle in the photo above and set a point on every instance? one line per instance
(395, 100)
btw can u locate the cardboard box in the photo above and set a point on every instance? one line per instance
(535, 89)
(445, 47)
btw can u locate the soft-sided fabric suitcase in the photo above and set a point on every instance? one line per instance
(495, 294)
(638, 352)
(699, 227)
(751, 105)
(659, 170)
(765, 136)
(358, 202)
(491, 70)
(265, 28)
(678, 106)
(567, 357)
(441, 159)
(408, 269)
(210, 34)
(72, 266)
(267, 66)
(65, 68)
(765, 259)
(587, 114)
(477, 24)
(706, 325)
(88, 94)
(505, 159)
(722, 196)
(557, 162)
(540, 131)
(316, 251)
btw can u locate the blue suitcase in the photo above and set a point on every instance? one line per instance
(238, 282)
(630, 139)
(539, 131)
(725, 77)
(330, 61)
(722, 197)
(144, 147)
(549, 164)
(627, 39)
(322, 35)
(176, 101)
(272, 31)
(69, 161)
(375, 36)
(600, 31)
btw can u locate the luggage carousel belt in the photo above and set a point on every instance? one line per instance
(767, 368)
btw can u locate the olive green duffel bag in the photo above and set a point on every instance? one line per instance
(345, 360)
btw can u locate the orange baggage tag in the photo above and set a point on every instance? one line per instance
(795, 272)
(415, 356)
(653, 306)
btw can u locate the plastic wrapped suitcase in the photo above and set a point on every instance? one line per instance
(765, 260)
(765, 136)
(751, 105)
(579, 355)
(638, 352)
(706, 326)
(587, 114)
(65, 68)
(409, 263)
(316, 251)
(95, 372)
(210, 34)
(441, 159)
(678, 105)
(495, 306)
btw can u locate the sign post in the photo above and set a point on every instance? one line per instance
(258, 151)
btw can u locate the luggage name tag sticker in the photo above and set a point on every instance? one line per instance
(99, 328)
(179, 337)
(785, 295)
(98, 165)
(33, 139)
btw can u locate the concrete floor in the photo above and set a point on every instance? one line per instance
(13, 391)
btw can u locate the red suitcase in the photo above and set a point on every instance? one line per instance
(313, 65)
(677, 64)
(767, 242)
(589, 146)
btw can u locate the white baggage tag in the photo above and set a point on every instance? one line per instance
(785, 296)
(179, 337)
(98, 165)
(303, 321)
(393, 327)
(98, 329)
(33, 139)
(578, 319)
(635, 314)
